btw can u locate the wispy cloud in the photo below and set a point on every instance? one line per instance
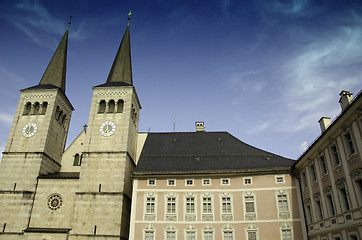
(291, 8)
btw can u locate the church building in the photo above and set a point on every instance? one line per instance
(114, 182)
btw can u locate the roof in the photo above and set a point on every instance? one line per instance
(121, 70)
(56, 70)
(204, 152)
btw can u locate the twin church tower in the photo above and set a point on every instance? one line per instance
(45, 191)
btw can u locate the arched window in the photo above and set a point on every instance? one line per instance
(64, 118)
(102, 106)
(44, 108)
(60, 114)
(57, 111)
(111, 106)
(77, 160)
(120, 104)
(36, 108)
(27, 108)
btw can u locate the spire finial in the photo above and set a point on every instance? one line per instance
(129, 16)
(70, 20)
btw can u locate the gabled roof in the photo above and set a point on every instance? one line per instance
(204, 152)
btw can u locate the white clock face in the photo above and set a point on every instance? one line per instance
(29, 130)
(107, 128)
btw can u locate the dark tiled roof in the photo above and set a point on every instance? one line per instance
(203, 152)
(113, 84)
(60, 175)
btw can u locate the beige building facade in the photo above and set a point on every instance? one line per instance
(330, 173)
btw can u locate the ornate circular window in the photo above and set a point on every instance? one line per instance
(54, 201)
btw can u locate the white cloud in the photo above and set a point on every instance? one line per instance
(303, 146)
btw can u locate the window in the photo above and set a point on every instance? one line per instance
(252, 236)
(63, 119)
(312, 173)
(344, 199)
(206, 205)
(77, 159)
(343, 196)
(189, 182)
(151, 182)
(283, 203)
(102, 106)
(353, 236)
(120, 104)
(111, 106)
(349, 143)
(27, 108)
(150, 205)
(287, 234)
(190, 235)
(309, 214)
(330, 205)
(171, 182)
(36, 108)
(208, 235)
(247, 181)
(304, 180)
(44, 108)
(206, 182)
(149, 235)
(190, 205)
(225, 181)
(322, 164)
(279, 179)
(335, 156)
(228, 235)
(337, 238)
(249, 204)
(226, 204)
(170, 235)
(171, 205)
(319, 209)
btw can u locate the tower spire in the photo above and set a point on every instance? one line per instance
(121, 70)
(56, 70)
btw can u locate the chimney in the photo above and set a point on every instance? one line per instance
(324, 123)
(200, 127)
(346, 99)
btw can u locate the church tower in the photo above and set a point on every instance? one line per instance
(109, 152)
(36, 141)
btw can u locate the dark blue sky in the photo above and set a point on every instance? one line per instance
(265, 71)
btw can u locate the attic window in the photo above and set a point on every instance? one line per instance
(206, 182)
(247, 181)
(171, 182)
(279, 179)
(151, 182)
(225, 181)
(189, 182)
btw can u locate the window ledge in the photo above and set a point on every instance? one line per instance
(337, 168)
(352, 157)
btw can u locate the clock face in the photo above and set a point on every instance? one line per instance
(107, 128)
(29, 130)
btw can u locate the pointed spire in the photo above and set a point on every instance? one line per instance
(121, 70)
(56, 70)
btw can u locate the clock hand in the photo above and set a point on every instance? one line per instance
(106, 131)
(28, 132)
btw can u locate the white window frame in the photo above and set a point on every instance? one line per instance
(349, 144)
(254, 203)
(171, 180)
(283, 200)
(187, 182)
(227, 231)
(227, 182)
(170, 231)
(228, 205)
(279, 177)
(286, 229)
(208, 231)
(149, 182)
(189, 203)
(246, 181)
(252, 231)
(154, 205)
(206, 179)
(190, 231)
